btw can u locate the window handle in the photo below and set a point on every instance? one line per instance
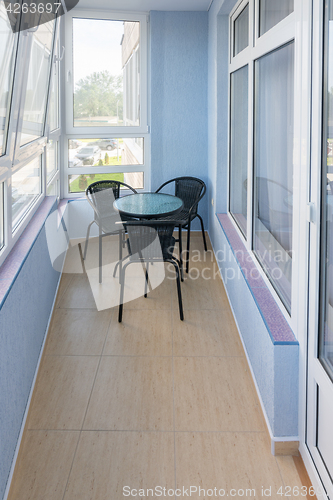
(56, 58)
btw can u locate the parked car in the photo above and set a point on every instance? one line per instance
(75, 162)
(74, 144)
(89, 155)
(108, 144)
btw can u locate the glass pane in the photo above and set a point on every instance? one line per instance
(52, 189)
(1, 216)
(326, 327)
(38, 83)
(79, 183)
(238, 146)
(106, 73)
(241, 31)
(26, 187)
(273, 155)
(272, 12)
(51, 160)
(104, 152)
(54, 100)
(8, 42)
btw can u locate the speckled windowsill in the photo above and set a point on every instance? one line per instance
(277, 326)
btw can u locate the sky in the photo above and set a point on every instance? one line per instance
(96, 47)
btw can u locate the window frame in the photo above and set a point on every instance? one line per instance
(77, 133)
(17, 157)
(279, 35)
(106, 131)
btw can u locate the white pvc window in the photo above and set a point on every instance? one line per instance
(106, 100)
(239, 146)
(273, 150)
(262, 139)
(37, 87)
(8, 45)
(26, 188)
(27, 64)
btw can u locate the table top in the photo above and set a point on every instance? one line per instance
(148, 205)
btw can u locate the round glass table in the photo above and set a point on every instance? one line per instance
(148, 205)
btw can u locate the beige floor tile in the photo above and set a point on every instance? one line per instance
(201, 293)
(141, 333)
(159, 298)
(106, 462)
(64, 283)
(76, 332)
(132, 393)
(73, 262)
(206, 333)
(43, 465)
(228, 461)
(62, 392)
(215, 394)
(78, 294)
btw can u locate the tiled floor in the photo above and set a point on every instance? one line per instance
(152, 402)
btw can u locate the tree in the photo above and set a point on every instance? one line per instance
(106, 159)
(99, 94)
(83, 184)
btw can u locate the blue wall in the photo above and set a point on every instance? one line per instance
(179, 47)
(275, 367)
(23, 320)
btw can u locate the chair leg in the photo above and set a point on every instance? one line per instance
(100, 253)
(121, 298)
(188, 247)
(87, 239)
(146, 280)
(203, 232)
(179, 291)
(180, 252)
(120, 262)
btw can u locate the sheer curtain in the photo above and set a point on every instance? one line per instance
(238, 146)
(273, 155)
(272, 12)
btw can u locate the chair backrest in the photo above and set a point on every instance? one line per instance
(101, 195)
(188, 189)
(151, 239)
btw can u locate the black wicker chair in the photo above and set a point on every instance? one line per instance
(150, 241)
(101, 195)
(190, 190)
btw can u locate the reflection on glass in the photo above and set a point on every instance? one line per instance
(241, 31)
(273, 202)
(238, 146)
(106, 70)
(79, 183)
(51, 160)
(272, 12)
(26, 187)
(1, 217)
(326, 321)
(38, 83)
(7, 60)
(105, 152)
